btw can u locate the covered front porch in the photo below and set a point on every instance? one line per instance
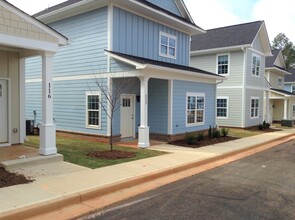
(281, 105)
(23, 36)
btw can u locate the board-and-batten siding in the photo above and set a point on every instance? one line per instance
(69, 104)
(257, 45)
(138, 36)
(254, 81)
(235, 103)
(87, 34)
(168, 5)
(180, 90)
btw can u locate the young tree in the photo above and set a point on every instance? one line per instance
(111, 91)
(282, 42)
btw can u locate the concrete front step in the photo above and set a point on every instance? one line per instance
(31, 161)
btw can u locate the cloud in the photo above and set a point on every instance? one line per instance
(279, 17)
(212, 13)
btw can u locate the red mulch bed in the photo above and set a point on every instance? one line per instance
(205, 142)
(111, 155)
(11, 179)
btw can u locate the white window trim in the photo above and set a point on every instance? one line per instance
(228, 68)
(169, 36)
(227, 106)
(86, 110)
(196, 95)
(280, 84)
(254, 75)
(255, 97)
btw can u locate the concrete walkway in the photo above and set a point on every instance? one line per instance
(60, 184)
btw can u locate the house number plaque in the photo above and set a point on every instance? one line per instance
(49, 90)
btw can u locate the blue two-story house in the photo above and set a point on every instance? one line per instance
(136, 51)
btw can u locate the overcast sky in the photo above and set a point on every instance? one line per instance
(279, 15)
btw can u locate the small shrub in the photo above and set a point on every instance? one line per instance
(190, 138)
(266, 125)
(224, 132)
(210, 132)
(215, 133)
(200, 136)
(260, 126)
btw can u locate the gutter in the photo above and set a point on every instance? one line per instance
(220, 50)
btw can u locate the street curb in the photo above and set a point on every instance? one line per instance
(90, 194)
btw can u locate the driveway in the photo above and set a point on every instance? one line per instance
(258, 187)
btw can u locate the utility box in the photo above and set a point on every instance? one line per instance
(287, 123)
(29, 127)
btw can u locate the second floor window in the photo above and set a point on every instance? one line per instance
(256, 65)
(223, 64)
(280, 81)
(167, 45)
(293, 89)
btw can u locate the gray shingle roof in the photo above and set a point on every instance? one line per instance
(143, 60)
(241, 34)
(282, 91)
(71, 2)
(290, 78)
(269, 61)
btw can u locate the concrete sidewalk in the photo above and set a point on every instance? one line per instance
(61, 184)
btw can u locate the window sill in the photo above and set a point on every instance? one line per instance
(195, 124)
(93, 127)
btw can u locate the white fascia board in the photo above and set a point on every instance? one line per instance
(277, 70)
(62, 40)
(262, 33)
(125, 60)
(26, 43)
(183, 9)
(278, 93)
(217, 77)
(161, 17)
(220, 50)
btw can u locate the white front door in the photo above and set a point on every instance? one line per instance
(127, 116)
(3, 111)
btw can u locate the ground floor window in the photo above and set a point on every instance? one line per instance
(93, 113)
(222, 107)
(195, 108)
(254, 107)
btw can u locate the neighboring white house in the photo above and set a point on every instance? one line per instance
(22, 36)
(281, 105)
(237, 52)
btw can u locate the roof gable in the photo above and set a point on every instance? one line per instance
(236, 35)
(17, 23)
(169, 5)
(242, 35)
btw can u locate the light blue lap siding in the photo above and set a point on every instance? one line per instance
(139, 36)
(34, 101)
(180, 89)
(169, 5)
(158, 106)
(87, 34)
(69, 104)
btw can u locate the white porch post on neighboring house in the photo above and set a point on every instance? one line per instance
(267, 116)
(47, 128)
(143, 130)
(285, 108)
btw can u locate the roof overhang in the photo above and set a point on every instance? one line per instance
(62, 40)
(141, 66)
(130, 5)
(221, 50)
(277, 70)
(281, 94)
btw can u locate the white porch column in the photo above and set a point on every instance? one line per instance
(22, 95)
(47, 128)
(285, 108)
(143, 130)
(267, 116)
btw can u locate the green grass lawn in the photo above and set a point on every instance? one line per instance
(74, 151)
(242, 133)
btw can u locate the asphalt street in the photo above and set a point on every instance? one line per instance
(258, 187)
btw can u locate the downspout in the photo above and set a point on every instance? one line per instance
(244, 88)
